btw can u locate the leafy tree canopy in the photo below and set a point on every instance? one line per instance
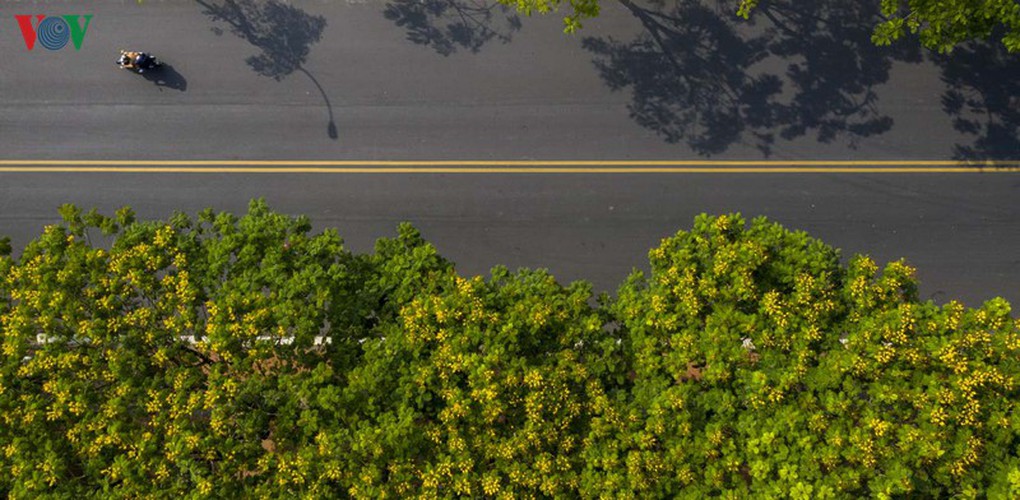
(224, 356)
(940, 24)
(580, 10)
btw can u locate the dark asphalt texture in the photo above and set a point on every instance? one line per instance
(356, 80)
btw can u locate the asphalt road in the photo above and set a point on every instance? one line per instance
(355, 81)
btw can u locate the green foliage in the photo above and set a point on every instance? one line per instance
(581, 10)
(940, 24)
(760, 367)
(698, 398)
(168, 362)
(478, 389)
(227, 356)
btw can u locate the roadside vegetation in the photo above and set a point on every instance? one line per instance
(223, 356)
(939, 25)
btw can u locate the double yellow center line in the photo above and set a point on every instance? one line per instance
(510, 166)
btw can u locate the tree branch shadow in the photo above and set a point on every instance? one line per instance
(700, 76)
(449, 25)
(983, 97)
(283, 33)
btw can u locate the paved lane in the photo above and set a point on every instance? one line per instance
(606, 93)
(960, 230)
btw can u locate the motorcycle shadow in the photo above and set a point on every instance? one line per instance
(166, 76)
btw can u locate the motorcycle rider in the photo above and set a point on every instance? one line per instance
(133, 60)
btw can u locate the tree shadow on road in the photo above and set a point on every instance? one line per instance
(166, 77)
(690, 76)
(449, 25)
(983, 98)
(701, 76)
(282, 32)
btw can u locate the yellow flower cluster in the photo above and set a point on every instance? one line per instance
(533, 379)
(490, 484)
(952, 359)
(885, 353)
(775, 309)
(879, 426)
(969, 457)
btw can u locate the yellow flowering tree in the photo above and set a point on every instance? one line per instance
(477, 389)
(179, 360)
(759, 366)
(227, 356)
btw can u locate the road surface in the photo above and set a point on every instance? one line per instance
(370, 81)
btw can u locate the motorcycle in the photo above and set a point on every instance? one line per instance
(138, 62)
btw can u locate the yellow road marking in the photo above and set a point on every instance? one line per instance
(298, 170)
(509, 167)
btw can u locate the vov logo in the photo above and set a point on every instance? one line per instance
(53, 32)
